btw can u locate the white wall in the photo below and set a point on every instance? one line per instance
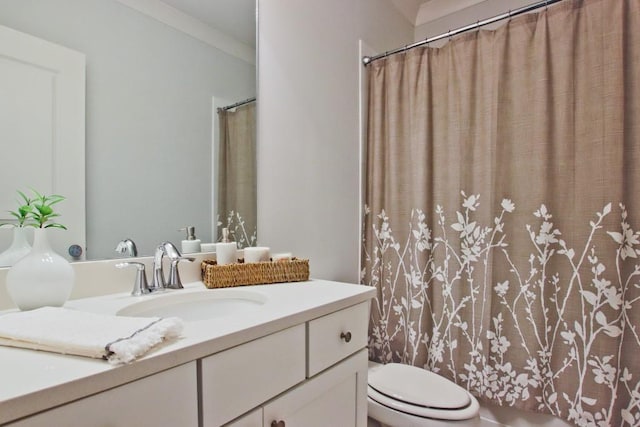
(308, 130)
(308, 149)
(466, 16)
(148, 105)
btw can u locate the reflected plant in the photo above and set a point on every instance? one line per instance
(23, 212)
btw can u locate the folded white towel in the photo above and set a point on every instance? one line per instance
(115, 338)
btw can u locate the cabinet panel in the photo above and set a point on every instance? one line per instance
(236, 380)
(335, 407)
(329, 399)
(252, 419)
(168, 398)
(336, 336)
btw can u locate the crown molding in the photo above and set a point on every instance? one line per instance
(435, 9)
(193, 27)
(408, 9)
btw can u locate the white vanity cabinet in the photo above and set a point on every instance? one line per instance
(313, 374)
(167, 398)
(300, 360)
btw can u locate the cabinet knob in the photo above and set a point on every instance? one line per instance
(346, 336)
(275, 423)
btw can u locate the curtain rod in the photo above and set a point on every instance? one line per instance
(237, 104)
(510, 14)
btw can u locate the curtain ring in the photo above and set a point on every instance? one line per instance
(449, 34)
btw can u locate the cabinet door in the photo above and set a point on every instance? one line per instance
(252, 419)
(168, 398)
(329, 399)
(335, 407)
(237, 380)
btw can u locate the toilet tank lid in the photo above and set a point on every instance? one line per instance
(417, 386)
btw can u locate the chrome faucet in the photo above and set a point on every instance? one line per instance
(127, 248)
(158, 281)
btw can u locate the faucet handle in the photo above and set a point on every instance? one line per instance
(140, 286)
(158, 282)
(174, 274)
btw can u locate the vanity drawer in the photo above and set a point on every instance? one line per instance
(335, 336)
(237, 380)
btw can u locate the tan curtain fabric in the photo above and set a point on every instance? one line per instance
(502, 196)
(236, 180)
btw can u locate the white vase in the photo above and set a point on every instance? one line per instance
(19, 248)
(41, 278)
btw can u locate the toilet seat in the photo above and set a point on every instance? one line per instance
(419, 393)
(418, 387)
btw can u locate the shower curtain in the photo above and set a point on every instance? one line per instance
(236, 181)
(502, 207)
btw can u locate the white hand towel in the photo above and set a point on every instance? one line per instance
(115, 338)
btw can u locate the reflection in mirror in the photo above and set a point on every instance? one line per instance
(236, 180)
(153, 69)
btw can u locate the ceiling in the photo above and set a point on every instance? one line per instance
(419, 12)
(236, 18)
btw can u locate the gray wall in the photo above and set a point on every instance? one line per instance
(308, 130)
(149, 116)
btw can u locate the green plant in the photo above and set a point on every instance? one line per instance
(37, 211)
(42, 211)
(22, 213)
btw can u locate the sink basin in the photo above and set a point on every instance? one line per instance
(200, 305)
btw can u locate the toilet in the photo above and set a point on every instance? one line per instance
(406, 396)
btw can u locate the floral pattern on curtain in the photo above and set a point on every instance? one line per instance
(501, 223)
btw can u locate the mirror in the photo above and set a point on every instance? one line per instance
(156, 72)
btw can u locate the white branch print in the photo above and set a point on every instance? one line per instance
(549, 324)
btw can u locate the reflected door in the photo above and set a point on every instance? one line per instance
(42, 130)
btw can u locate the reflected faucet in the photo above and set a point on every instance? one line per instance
(127, 248)
(158, 281)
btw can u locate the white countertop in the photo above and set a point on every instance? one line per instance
(33, 381)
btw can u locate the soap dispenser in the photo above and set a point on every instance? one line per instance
(190, 244)
(226, 250)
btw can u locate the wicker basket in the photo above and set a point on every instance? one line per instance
(258, 273)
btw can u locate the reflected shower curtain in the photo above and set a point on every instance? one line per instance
(237, 197)
(502, 207)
